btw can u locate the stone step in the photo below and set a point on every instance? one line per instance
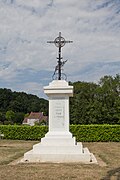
(58, 141)
(32, 157)
(41, 149)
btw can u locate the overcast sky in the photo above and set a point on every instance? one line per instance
(27, 61)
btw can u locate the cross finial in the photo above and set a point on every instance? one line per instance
(59, 42)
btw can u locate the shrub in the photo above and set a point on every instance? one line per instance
(96, 133)
(84, 133)
(23, 132)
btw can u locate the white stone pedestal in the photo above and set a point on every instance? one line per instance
(58, 145)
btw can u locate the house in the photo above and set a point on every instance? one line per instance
(35, 117)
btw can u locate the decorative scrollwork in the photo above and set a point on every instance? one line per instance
(59, 42)
(56, 75)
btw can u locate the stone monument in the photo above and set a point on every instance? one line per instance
(59, 145)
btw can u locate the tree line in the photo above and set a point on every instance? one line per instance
(96, 103)
(91, 104)
(14, 106)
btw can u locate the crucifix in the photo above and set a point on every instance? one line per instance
(59, 42)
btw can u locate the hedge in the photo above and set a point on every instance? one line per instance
(96, 133)
(84, 133)
(23, 132)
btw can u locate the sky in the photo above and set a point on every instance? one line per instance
(27, 61)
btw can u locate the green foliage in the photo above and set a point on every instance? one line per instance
(84, 133)
(96, 103)
(23, 132)
(96, 133)
(41, 123)
(6, 122)
(26, 115)
(20, 103)
(91, 104)
(10, 115)
(19, 116)
(2, 117)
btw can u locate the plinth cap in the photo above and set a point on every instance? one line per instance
(59, 87)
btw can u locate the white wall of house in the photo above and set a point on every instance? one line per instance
(31, 122)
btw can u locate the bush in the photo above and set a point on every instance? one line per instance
(23, 132)
(84, 133)
(8, 122)
(96, 133)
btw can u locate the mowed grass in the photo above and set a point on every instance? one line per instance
(11, 150)
(107, 154)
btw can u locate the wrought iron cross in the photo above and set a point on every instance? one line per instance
(59, 42)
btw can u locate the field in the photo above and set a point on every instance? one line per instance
(107, 154)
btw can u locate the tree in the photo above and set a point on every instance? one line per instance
(110, 98)
(81, 105)
(96, 103)
(91, 104)
(5, 98)
(19, 117)
(10, 116)
(20, 102)
(2, 117)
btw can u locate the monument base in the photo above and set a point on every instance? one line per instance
(61, 148)
(58, 145)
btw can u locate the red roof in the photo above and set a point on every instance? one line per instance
(36, 115)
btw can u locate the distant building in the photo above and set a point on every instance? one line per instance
(35, 117)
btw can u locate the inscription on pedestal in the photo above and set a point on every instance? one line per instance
(58, 114)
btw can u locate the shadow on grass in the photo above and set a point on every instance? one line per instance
(112, 173)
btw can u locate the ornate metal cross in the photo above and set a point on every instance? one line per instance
(59, 42)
